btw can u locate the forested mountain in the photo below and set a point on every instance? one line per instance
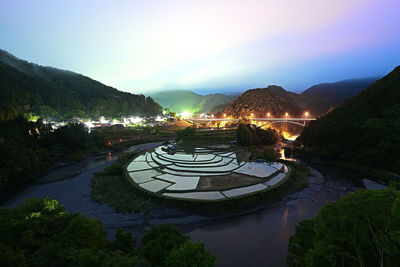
(365, 128)
(185, 100)
(327, 95)
(52, 93)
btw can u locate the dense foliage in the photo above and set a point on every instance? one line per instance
(58, 94)
(365, 129)
(362, 229)
(22, 156)
(248, 135)
(27, 147)
(185, 134)
(41, 233)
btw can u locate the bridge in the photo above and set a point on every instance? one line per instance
(260, 122)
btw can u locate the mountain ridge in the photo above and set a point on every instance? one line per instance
(54, 93)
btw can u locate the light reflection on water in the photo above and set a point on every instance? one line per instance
(289, 136)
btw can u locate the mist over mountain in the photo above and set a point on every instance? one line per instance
(186, 100)
(54, 93)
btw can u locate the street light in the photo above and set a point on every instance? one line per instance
(268, 114)
(224, 115)
(286, 115)
(306, 113)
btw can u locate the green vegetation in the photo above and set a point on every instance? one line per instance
(184, 100)
(186, 134)
(41, 233)
(111, 187)
(192, 137)
(27, 148)
(362, 229)
(130, 136)
(269, 154)
(26, 88)
(165, 246)
(248, 135)
(22, 157)
(364, 130)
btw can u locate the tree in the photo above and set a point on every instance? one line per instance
(159, 242)
(361, 229)
(244, 135)
(190, 254)
(248, 135)
(270, 154)
(41, 233)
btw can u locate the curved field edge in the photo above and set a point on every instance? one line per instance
(114, 187)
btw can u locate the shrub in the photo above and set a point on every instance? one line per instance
(270, 154)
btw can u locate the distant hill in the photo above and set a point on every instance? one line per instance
(365, 128)
(53, 93)
(327, 95)
(317, 99)
(185, 100)
(273, 99)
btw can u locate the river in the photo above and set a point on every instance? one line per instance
(258, 238)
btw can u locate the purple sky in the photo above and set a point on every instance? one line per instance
(207, 45)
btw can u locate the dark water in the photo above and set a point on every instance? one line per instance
(261, 238)
(258, 238)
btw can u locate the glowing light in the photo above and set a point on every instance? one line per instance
(224, 115)
(306, 113)
(89, 124)
(186, 115)
(289, 136)
(103, 120)
(252, 114)
(212, 115)
(135, 120)
(268, 114)
(286, 115)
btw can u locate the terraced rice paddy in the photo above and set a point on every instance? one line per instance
(178, 175)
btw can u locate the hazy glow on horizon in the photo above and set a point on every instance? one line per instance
(140, 46)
